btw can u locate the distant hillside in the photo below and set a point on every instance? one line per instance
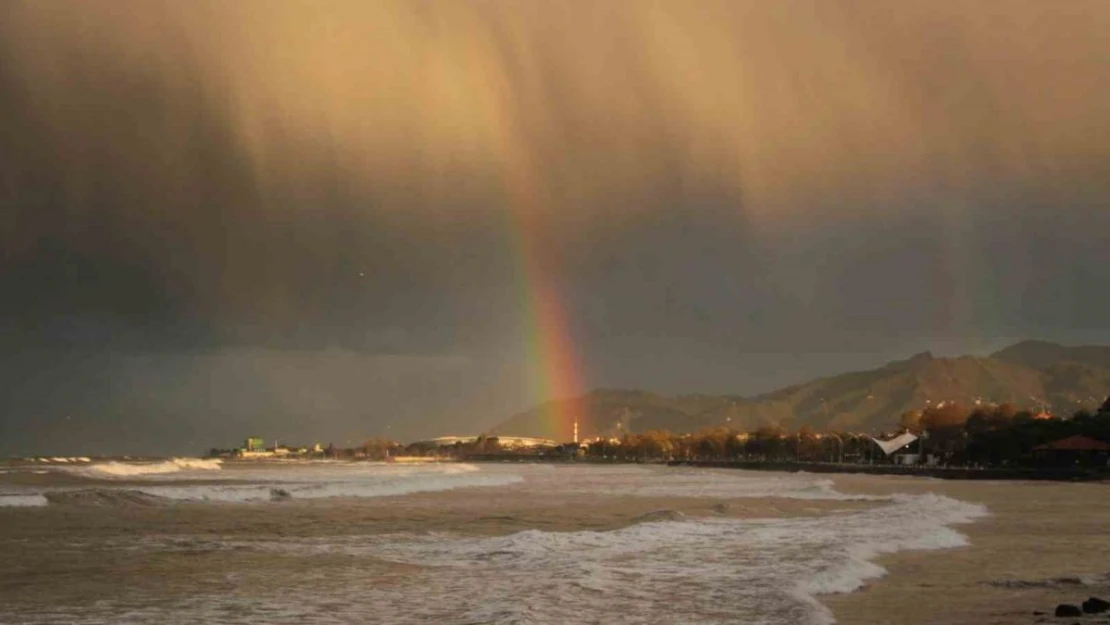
(1029, 374)
(613, 412)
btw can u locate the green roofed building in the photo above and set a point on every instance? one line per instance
(254, 444)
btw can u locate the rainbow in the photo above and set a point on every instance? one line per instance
(554, 369)
(556, 373)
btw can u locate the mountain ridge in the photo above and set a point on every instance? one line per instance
(1030, 374)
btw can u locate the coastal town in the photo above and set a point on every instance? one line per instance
(945, 439)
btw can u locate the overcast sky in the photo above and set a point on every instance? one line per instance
(313, 220)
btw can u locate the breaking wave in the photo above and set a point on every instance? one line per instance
(106, 497)
(192, 479)
(711, 483)
(912, 523)
(357, 485)
(21, 500)
(662, 568)
(771, 570)
(656, 516)
(115, 469)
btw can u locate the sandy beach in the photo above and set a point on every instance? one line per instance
(1045, 543)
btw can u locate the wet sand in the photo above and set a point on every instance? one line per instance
(1041, 542)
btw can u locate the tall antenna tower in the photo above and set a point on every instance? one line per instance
(576, 431)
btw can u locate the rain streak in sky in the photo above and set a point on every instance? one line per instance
(331, 217)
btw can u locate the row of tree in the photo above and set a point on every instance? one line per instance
(986, 435)
(953, 434)
(1002, 436)
(770, 443)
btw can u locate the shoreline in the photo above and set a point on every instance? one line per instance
(1043, 544)
(1069, 474)
(1024, 474)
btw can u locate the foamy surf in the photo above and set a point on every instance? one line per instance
(192, 479)
(703, 570)
(769, 571)
(361, 488)
(654, 481)
(102, 497)
(114, 469)
(21, 500)
(662, 567)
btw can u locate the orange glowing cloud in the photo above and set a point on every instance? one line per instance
(777, 102)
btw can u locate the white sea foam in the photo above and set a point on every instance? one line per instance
(917, 522)
(655, 481)
(21, 500)
(349, 480)
(246, 493)
(659, 570)
(758, 571)
(209, 480)
(696, 570)
(115, 469)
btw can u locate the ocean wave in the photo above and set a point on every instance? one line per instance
(21, 500)
(457, 468)
(708, 483)
(770, 570)
(107, 497)
(912, 523)
(656, 516)
(662, 569)
(114, 469)
(385, 485)
(186, 479)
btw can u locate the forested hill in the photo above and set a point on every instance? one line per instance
(1030, 374)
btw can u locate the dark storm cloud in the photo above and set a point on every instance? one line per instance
(249, 186)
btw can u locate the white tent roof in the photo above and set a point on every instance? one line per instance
(895, 443)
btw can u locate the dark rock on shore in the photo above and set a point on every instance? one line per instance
(1094, 605)
(279, 494)
(1067, 609)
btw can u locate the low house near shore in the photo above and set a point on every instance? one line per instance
(1073, 450)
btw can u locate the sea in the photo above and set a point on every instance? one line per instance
(187, 540)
